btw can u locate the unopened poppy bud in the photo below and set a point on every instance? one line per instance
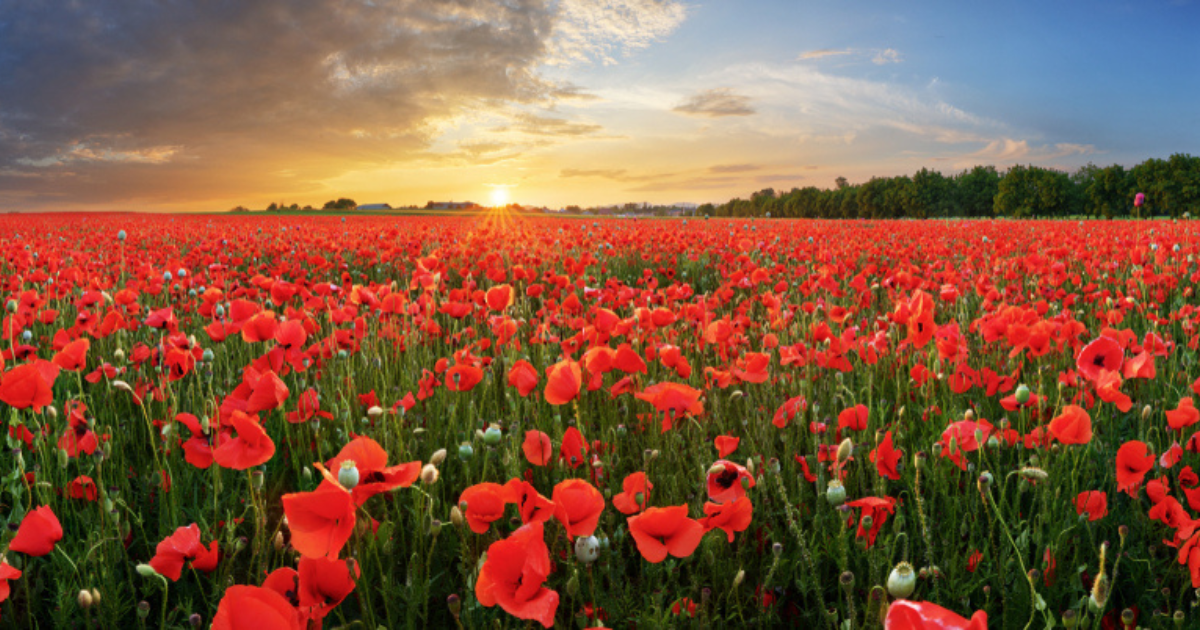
(456, 516)
(1123, 531)
(143, 609)
(278, 541)
(716, 469)
(835, 493)
(429, 475)
(1033, 474)
(573, 585)
(492, 436)
(146, 570)
(993, 442)
(63, 458)
(739, 577)
(85, 599)
(122, 385)
(95, 596)
(845, 449)
(375, 412)
(1146, 411)
(750, 466)
(438, 457)
(1069, 619)
(979, 436)
(52, 411)
(653, 455)
(454, 604)
(969, 415)
(985, 481)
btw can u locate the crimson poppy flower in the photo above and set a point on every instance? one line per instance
(463, 378)
(77, 438)
(537, 448)
(1108, 388)
(323, 584)
(252, 446)
(73, 357)
(904, 614)
(267, 392)
(573, 449)
(854, 418)
(725, 481)
(628, 502)
(878, 508)
(260, 327)
(731, 517)
(886, 457)
(1134, 460)
(788, 410)
(753, 367)
(1189, 554)
(725, 444)
(482, 504)
(321, 521)
(668, 530)
(684, 605)
(374, 475)
(531, 505)
(25, 386)
(1072, 426)
(577, 505)
(499, 297)
(286, 582)
(1183, 415)
(514, 575)
(308, 407)
(1094, 503)
(38, 533)
(82, 487)
(628, 361)
(673, 400)
(255, 608)
(1101, 355)
(7, 572)
(182, 545)
(563, 380)
(523, 377)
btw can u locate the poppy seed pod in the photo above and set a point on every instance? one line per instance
(492, 436)
(348, 474)
(902, 581)
(835, 493)
(587, 549)
(1022, 394)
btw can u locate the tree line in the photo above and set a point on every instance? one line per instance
(1171, 188)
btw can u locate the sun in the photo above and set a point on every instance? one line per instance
(499, 196)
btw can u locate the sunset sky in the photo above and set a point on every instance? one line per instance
(204, 105)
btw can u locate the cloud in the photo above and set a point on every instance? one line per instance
(715, 103)
(886, 56)
(822, 53)
(241, 100)
(1005, 151)
(733, 168)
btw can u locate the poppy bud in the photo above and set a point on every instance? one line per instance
(429, 475)
(739, 577)
(902, 581)
(573, 585)
(95, 597)
(375, 412)
(146, 570)
(835, 493)
(454, 604)
(307, 474)
(1033, 474)
(844, 450)
(348, 474)
(85, 599)
(1069, 619)
(143, 609)
(438, 457)
(122, 385)
(969, 415)
(195, 620)
(716, 469)
(777, 549)
(456, 516)
(63, 458)
(1146, 411)
(278, 541)
(749, 468)
(587, 549)
(435, 527)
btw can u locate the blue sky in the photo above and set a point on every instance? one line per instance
(196, 105)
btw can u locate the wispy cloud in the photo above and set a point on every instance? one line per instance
(822, 53)
(587, 30)
(886, 56)
(715, 103)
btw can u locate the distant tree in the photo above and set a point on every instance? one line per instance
(975, 191)
(1106, 192)
(341, 204)
(273, 207)
(841, 182)
(238, 209)
(930, 195)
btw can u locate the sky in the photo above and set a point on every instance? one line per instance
(203, 105)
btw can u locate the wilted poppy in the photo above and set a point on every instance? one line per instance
(38, 533)
(1072, 426)
(514, 575)
(661, 531)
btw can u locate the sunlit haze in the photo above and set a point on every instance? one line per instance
(202, 106)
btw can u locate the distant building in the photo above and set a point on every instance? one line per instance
(452, 205)
(375, 206)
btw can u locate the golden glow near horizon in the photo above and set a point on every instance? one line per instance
(498, 196)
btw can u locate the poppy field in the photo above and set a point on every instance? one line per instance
(249, 421)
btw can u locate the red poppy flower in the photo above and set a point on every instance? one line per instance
(661, 531)
(725, 444)
(323, 584)
(577, 505)
(753, 368)
(574, 448)
(1108, 388)
(77, 438)
(730, 518)
(1183, 415)
(252, 446)
(886, 458)
(725, 481)
(537, 448)
(1094, 503)
(628, 502)
(514, 575)
(255, 608)
(73, 357)
(7, 572)
(1101, 355)
(463, 378)
(878, 508)
(563, 380)
(523, 377)
(25, 386)
(484, 503)
(904, 614)
(38, 532)
(1134, 460)
(673, 400)
(1072, 426)
(531, 505)
(788, 410)
(499, 297)
(854, 418)
(628, 361)
(82, 487)
(308, 407)
(260, 327)
(267, 392)
(321, 521)
(374, 475)
(182, 545)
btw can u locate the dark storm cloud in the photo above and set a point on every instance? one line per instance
(141, 100)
